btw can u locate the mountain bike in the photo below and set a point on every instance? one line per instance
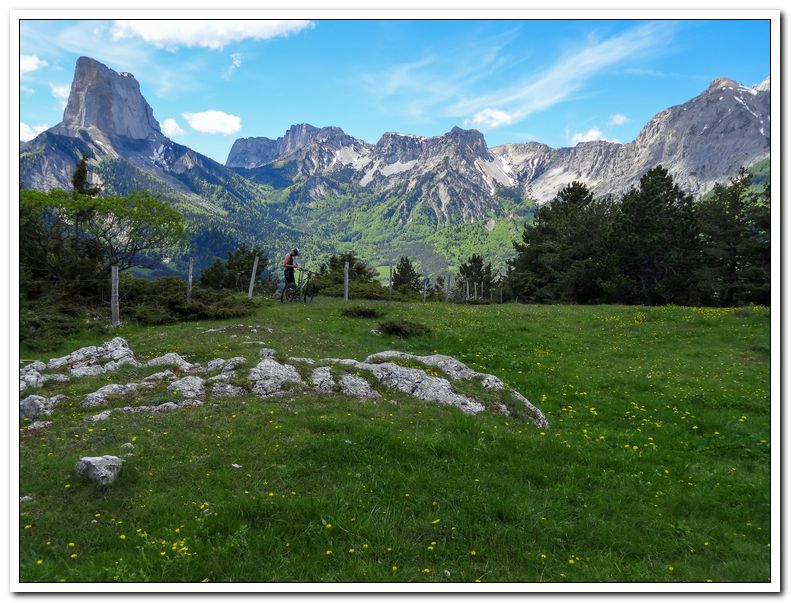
(302, 291)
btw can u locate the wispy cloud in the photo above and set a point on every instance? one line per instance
(565, 77)
(213, 122)
(640, 71)
(214, 35)
(618, 119)
(236, 62)
(424, 85)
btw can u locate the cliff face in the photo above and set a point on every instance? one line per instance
(108, 102)
(107, 118)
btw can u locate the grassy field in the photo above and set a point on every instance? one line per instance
(655, 467)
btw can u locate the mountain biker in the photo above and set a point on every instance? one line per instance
(289, 264)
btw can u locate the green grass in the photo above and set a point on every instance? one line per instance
(655, 467)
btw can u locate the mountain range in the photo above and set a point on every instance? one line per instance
(437, 199)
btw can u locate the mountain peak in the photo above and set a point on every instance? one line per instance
(107, 101)
(763, 86)
(723, 82)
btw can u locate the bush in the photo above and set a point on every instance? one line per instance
(361, 312)
(403, 328)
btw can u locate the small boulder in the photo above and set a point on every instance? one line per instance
(170, 359)
(188, 387)
(167, 375)
(101, 469)
(37, 406)
(226, 390)
(270, 376)
(357, 387)
(322, 379)
(35, 427)
(102, 416)
(89, 370)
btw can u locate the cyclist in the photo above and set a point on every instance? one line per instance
(289, 264)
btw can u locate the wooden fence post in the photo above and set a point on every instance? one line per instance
(252, 278)
(346, 281)
(189, 284)
(114, 295)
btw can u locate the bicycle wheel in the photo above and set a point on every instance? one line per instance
(308, 292)
(287, 294)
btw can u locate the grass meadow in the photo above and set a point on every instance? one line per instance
(655, 466)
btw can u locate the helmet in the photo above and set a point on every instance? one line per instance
(295, 251)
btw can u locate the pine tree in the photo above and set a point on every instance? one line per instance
(480, 276)
(734, 224)
(79, 180)
(654, 244)
(405, 277)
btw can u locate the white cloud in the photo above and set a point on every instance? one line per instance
(213, 122)
(27, 89)
(618, 119)
(236, 62)
(170, 127)
(30, 62)
(489, 119)
(593, 133)
(206, 34)
(27, 132)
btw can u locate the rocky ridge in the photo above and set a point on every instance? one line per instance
(270, 377)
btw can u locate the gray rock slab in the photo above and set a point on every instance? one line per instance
(30, 379)
(303, 360)
(418, 383)
(38, 406)
(322, 379)
(267, 353)
(102, 416)
(89, 370)
(100, 469)
(226, 390)
(270, 376)
(36, 427)
(358, 387)
(170, 359)
(187, 387)
(454, 368)
(167, 375)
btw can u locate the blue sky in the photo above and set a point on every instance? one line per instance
(552, 81)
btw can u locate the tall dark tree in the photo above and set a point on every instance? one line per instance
(734, 223)
(331, 271)
(405, 277)
(477, 274)
(79, 180)
(654, 244)
(234, 273)
(562, 253)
